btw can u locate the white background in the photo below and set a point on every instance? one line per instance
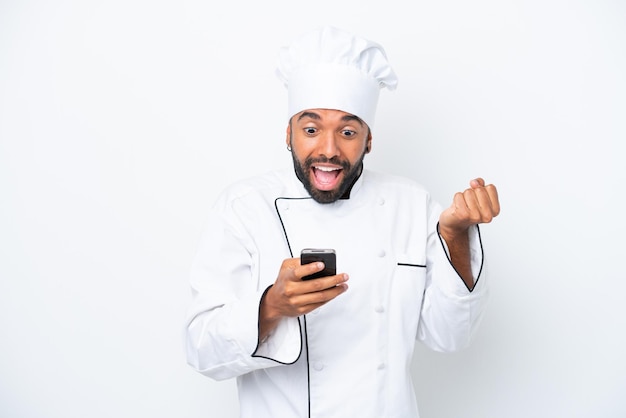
(121, 120)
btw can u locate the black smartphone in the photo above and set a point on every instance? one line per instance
(325, 255)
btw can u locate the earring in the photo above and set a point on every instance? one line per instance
(289, 148)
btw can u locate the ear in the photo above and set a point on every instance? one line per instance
(288, 136)
(368, 145)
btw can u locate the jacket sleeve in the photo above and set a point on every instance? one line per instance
(451, 313)
(221, 330)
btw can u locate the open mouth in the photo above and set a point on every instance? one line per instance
(326, 177)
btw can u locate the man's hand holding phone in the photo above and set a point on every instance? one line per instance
(291, 296)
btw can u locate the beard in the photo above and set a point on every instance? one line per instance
(351, 174)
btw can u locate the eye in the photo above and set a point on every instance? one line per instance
(309, 130)
(348, 133)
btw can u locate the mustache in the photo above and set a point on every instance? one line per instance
(334, 160)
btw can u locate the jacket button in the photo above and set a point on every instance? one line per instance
(381, 366)
(318, 366)
(381, 201)
(382, 253)
(379, 309)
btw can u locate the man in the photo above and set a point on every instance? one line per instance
(341, 345)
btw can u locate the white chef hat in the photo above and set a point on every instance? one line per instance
(332, 69)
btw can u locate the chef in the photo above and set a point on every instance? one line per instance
(407, 270)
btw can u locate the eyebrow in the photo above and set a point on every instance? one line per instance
(311, 115)
(345, 118)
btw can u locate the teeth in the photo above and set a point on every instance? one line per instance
(326, 169)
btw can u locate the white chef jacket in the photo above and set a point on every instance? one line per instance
(351, 357)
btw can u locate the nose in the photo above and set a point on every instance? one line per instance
(328, 145)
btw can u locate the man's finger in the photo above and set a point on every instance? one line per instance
(477, 182)
(493, 197)
(474, 213)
